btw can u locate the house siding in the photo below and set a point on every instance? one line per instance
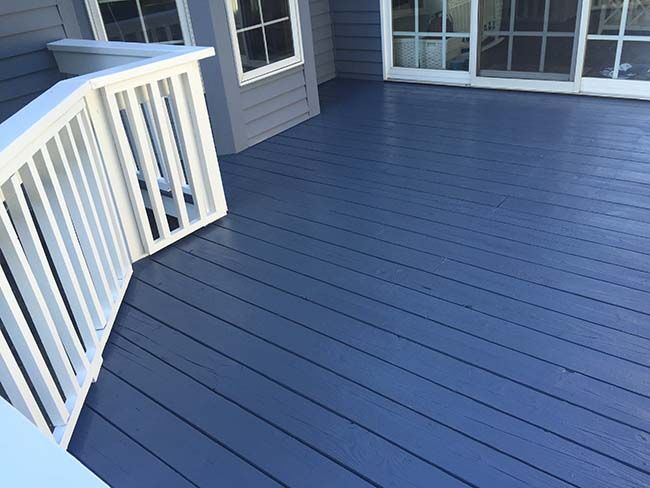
(357, 39)
(321, 21)
(245, 115)
(27, 69)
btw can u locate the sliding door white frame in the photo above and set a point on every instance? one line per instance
(580, 84)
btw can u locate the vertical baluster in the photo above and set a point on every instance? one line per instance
(21, 337)
(31, 242)
(100, 187)
(88, 199)
(186, 132)
(145, 156)
(206, 142)
(171, 158)
(85, 233)
(69, 270)
(30, 291)
(14, 384)
(51, 183)
(130, 171)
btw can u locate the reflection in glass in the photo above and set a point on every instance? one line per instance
(430, 52)
(403, 15)
(529, 15)
(279, 40)
(161, 20)
(430, 15)
(404, 52)
(458, 53)
(599, 59)
(123, 20)
(251, 49)
(275, 9)
(638, 18)
(605, 17)
(247, 13)
(494, 52)
(563, 15)
(635, 61)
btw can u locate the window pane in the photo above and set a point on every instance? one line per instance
(559, 54)
(161, 20)
(247, 13)
(404, 15)
(275, 9)
(562, 15)
(526, 53)
(121, 20)
(404, 52)
(430, 13)
(605, 17)
(458, 53)
(459, 15)
(599, 59)
(529, 15)
(494, 53)
(495, 15)
(251, 49)
(638, 18)
(279, 40)
(635, 61)
(431, 53)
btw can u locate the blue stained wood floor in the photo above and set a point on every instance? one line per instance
(422, 287)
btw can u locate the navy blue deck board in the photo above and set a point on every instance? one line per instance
(423, 286)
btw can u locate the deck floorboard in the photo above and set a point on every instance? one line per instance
(423, 286)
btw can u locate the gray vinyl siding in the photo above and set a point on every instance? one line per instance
(245, 115)
(357, 38)
(27, 69)
(321, 21)
(274, 105)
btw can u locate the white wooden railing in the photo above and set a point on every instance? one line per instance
(101, 170)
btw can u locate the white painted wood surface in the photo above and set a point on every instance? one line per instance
(101, 170)
(34, 461)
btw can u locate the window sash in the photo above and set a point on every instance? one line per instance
(271, 67)
(99, 29)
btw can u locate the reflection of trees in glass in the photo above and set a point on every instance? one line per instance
(141, 20)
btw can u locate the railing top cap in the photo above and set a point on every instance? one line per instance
(135, 49)
(18, 131)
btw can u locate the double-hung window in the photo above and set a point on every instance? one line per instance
(266, 36)
(164, 21)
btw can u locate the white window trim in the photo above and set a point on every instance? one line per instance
(273, 68)
(99, 31)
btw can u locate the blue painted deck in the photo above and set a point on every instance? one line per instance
(422, 287)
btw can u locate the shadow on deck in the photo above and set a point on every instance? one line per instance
(423, 286)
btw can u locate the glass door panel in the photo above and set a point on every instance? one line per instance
(431, 34)
(618, 45)
(532, 39)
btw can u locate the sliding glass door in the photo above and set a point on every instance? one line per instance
(571, 46)
(530, 39)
